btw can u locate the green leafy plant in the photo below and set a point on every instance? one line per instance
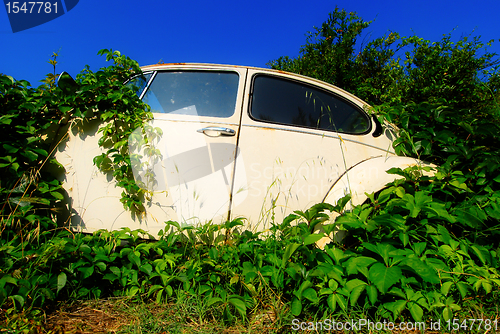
(425, 247)
(392, 69)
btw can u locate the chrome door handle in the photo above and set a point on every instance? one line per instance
(215, 131)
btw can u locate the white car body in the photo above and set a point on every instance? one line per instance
(245, 162)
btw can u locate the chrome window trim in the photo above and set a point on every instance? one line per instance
(148, 84)
(182, 69)
(327, 134)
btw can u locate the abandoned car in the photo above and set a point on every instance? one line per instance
(235, 141)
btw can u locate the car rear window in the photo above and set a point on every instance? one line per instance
(278, 100)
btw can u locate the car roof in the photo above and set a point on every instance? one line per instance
(195, 66)
(161, 66)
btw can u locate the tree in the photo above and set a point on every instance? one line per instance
(461, 73)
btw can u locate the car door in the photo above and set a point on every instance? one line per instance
(188, 161)
(184, 157)
(298, 137)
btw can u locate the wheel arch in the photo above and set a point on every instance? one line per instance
(369, 176)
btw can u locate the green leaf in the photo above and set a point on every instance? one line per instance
(169, 290)
(159, 296)
(312, 238)
(214, 300)
(61, 281)
(304, 286)
(32, 156)
(419, 247)
(384, 277)
(482, 254)
(336, 254)
(239, 305)
(411, 205)
(416, 311)
(444, 235)
(116, 271)
(349, 222)
(332, 284)
(18, 300)
(447, 313)
(86, 271)
(405, 238)
(487, 286)
(132, 291)
(385, 195)
(110, 277)
(372, 293)
(288, 219)
(341, 203)
(146, 268)
(427, 273)
(356, 292)
(85, 249)
(134, 259)
(289, 250)
(7, 279)
(331, 300)
(64, 108)
(6, 119)
(436, 209)
(153, 289)
(203, 288)
(493, 210)
(341, 301)
(396, 307)
(445, 288)
(311, 295)
(297, 306)
(383, 250)
(101, 266)
(463, 288)
(350, 285)
(359, 264)
(57, 195)
(471, 216)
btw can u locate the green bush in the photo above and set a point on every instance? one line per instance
(427, 244)
(393, 69)
(426, 247)
(32, 124)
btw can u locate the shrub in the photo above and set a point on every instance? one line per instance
(419, 249)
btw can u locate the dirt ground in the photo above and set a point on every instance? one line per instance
(121, 316)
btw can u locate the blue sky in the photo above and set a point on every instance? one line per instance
(227, 32)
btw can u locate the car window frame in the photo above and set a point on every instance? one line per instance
(153, 74)
(237, 107)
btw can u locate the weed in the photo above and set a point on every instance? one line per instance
(423, 249)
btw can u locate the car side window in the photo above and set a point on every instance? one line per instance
(283, 101)
(202, 93)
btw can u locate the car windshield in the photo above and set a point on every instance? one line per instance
(138, 83)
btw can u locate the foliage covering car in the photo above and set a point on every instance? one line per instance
(233, 141)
